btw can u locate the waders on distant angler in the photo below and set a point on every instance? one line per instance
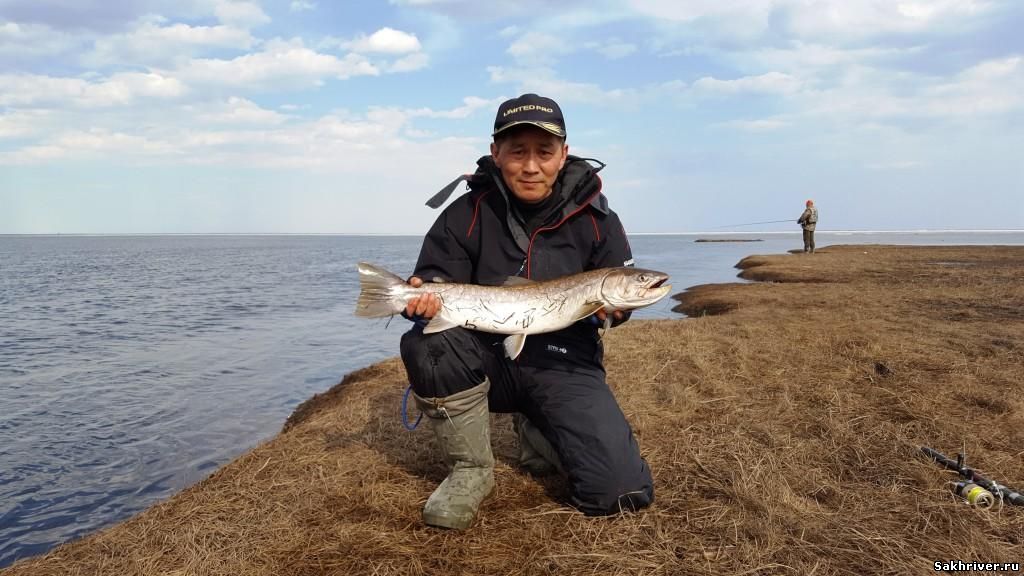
(807, 221)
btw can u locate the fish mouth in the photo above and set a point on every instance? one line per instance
(657, 282)
(657, 291)
(655, 288)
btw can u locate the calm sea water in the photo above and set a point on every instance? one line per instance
(132, 367)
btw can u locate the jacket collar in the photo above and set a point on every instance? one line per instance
(577, 177)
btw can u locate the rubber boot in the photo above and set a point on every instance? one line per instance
(536, 455)
(462, 428)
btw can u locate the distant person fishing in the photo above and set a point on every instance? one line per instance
(534, 212)
(807, 221)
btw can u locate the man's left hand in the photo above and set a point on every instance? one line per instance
(602, 315)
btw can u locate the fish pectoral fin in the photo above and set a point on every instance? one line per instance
(514, 345)
(588, 309)
(439, 324)
(606, 326)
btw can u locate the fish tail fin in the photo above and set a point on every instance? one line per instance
(379, 293)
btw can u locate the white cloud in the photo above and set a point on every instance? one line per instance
(987, 89)
(102, 141)
(617, 50)
(769, 83)
(470, 105)
(301, 6)
(410, 63)
(762, 125)
(372, 131)
(539, 47)
(696, 9)
(240, 111)
(152, 44)
(23, 123)
(32, 40)
(387, 41)
(239, 132)
(801, 56)
(414, 133)
(424, 2)
(90, 144)
(126, 86)
(119, 89)
(990, 87)
(729, 19)
(709, 26)
(244, 14)
(281, 65)
(32, 155)
(545, 81)
(837, 20)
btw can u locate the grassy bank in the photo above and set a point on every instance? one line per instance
(781, 422)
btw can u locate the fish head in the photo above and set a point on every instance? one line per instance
(628, 288)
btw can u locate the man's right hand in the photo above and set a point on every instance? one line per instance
(424, 306)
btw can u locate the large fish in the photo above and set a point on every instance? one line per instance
(519, 308)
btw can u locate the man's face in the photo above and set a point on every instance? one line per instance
(529, 159)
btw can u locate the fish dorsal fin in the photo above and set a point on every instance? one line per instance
(586, 309)
(439, 324)
(514, 345)
(517, 281)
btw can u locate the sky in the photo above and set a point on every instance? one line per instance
(310, 116)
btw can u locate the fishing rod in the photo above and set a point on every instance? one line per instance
(754, 223)
(971, 475)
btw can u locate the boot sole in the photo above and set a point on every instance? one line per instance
(455, 522)
(448, 522)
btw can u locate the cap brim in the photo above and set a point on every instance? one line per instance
(546, 126)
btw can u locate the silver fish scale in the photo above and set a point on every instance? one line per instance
(527, 309)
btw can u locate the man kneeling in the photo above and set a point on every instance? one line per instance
(532, 210)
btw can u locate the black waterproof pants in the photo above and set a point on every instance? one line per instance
(572, 406)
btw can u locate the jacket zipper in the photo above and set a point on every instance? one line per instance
(533, 236)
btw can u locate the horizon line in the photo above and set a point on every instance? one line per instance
(397, 234)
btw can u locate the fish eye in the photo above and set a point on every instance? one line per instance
(642, 277)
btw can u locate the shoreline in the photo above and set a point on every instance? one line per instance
(418, 235)
(775, 439)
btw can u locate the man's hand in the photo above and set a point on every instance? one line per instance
(602, 315)
(425, 306)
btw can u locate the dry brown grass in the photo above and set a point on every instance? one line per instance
(782, 435)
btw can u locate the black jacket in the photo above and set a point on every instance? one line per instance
(479, 239)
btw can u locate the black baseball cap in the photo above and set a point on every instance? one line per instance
(530, 109)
